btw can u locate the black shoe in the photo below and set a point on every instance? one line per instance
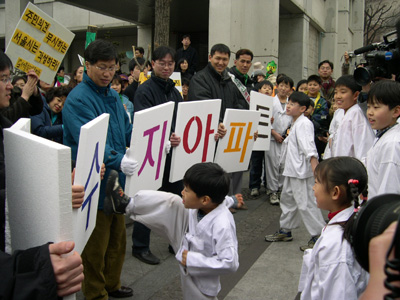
(171, 250)
(123, 292)
(147, 257)
(115, 201)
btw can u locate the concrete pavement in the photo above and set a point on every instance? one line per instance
(267, 270)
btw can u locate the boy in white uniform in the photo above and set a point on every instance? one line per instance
(198, 226)
(279, 126)
(297, 199)
(383, 159)
(354, 136)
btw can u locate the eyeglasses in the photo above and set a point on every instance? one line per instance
(163, 64)
(105, 69)
(6, 79)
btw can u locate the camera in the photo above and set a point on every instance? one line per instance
(382, 60)
(371, 220)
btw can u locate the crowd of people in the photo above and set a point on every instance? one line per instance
(333, 145)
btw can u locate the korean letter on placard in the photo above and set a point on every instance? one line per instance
(196, 125)
(234, 150)
(151, 132)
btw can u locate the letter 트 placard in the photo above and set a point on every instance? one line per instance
(196, 125)
(263, 104)
(151, 131)
(234, 149)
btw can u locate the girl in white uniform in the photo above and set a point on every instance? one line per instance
(330, 270)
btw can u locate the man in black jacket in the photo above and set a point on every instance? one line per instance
(157, 90)
(214, 82)
(135, 67)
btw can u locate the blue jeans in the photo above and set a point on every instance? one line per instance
(257, 160)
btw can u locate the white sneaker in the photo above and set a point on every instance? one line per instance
(273, 199)
(254, 192)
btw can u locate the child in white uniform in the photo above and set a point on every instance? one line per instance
(383, 159)
(330, 270)
(297, 200)
(354, 136)
(281, 122)
(199, 226)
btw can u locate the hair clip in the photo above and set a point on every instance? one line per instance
(353, 181)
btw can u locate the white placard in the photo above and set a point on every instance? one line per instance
(151, 131)
(23, 124)
(196, 125)
(92, 142)
(263, 104)
(234, 149)
(38, 184)
(39, 42)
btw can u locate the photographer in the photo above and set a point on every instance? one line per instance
(378, 248)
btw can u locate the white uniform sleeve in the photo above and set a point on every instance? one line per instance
(389, 178)
(162, 212)
(225, 260)
(305, 141)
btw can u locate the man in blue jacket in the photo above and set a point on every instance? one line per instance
(104, 253)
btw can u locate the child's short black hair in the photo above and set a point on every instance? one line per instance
(386, 92)
(300, 98)
(285, 79)
(260, 84)
(315, 78)
(303, 81)
(311, 104)
(208, 179)
(349, 82)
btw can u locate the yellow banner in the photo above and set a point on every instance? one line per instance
(47, 60)
(35, 20)
(26, 41)
(55, 42)
(25, 66)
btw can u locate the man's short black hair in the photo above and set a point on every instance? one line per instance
(100, 50)
(285, 79)
(260, 84)
(349, 82)
(300, 98)
(163, 51)
(5, 62)
(140, 49)
(57, 92)
(133, 63)
(386, 92)
(208, 179)
(325, 62)
(244, 52)
(187, 36)
(315, 78)
(222, 48)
